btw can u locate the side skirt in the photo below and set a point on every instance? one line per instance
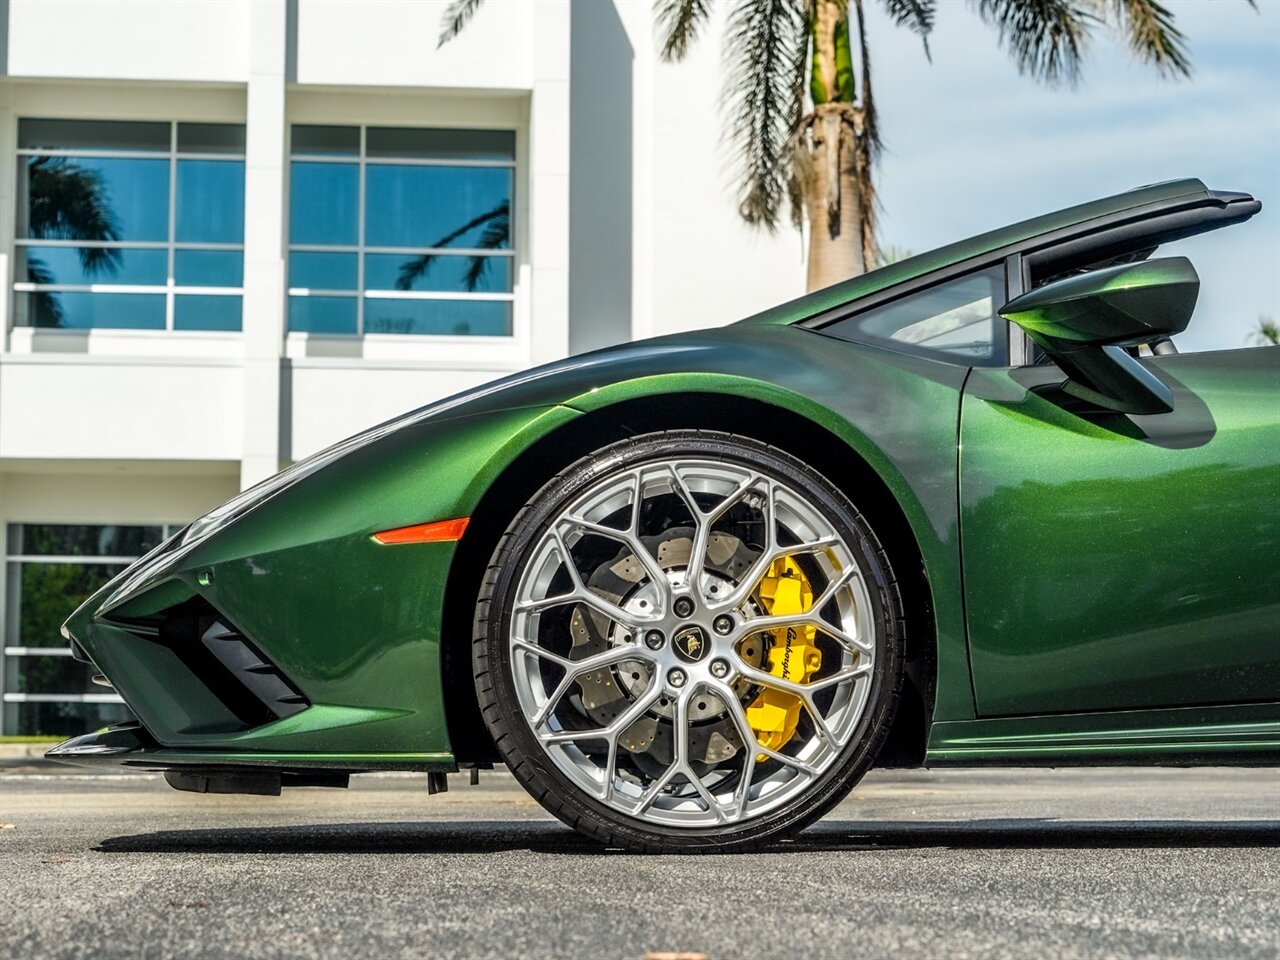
(1242, 735)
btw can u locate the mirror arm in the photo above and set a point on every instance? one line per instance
(1110, 378)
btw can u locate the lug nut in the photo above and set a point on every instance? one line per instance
(654, 639)
(676, 677)
(683, 606)
(723, 624)
(719, 669)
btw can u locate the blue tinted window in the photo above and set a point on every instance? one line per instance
(206, 312)
(474, 318)
(208, 268)
(210, 201)
(83, 311)
(322, 314)
(424, 192)
(424, 206)
(438, 272)
(322, 271)
(323, 200)
(84, 265)
(93, 198)
(79, 189)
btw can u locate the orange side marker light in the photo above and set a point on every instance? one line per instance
(442, 531)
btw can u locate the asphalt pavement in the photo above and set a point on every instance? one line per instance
(1111, 862)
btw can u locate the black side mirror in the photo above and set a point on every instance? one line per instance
(1086, 322)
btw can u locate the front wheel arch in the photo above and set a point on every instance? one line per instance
(777, 426)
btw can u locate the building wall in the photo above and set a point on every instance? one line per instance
(624, 227)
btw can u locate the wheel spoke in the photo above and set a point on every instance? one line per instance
(768, 556)
(738, 716)
(753, 747)
(682, 735)
(630, 539)
(703, 522)
(581, 593)
(573, 670)
(679, 744)
(839, 677)
(801, 691)
(769, 624)
(610, 732)
(615, 654)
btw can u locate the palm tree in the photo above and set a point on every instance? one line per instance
(68, 202)
(804, 133)
(1266, 333)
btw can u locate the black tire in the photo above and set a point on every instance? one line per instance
(525, 755)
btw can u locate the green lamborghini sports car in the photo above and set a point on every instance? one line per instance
(970, 508)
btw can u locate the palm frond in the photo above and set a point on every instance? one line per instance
(1267, 332)
(1045, 37)
(70, 202)
(762, 41)
(678, 23)
(1153, 36)
(796, 150)
(44, 304)
(916, 15)
(456, 16)
(496, 234)
(870, 118)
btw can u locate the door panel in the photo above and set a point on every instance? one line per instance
(1119, 562)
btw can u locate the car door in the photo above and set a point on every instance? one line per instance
(1120, 561)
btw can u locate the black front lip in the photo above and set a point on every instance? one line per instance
(108, 744)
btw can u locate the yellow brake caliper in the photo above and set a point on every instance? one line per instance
(793, 655)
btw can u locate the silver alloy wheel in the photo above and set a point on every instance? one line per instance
(636, 678)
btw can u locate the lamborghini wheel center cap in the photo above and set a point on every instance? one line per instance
(690, 644)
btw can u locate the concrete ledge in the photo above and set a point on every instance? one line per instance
(25, 751)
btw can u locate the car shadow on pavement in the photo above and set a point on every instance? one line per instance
(454, 837)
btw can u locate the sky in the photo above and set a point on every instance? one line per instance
(972, 145)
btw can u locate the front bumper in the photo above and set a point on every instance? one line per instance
(325, 643)
(236, 656)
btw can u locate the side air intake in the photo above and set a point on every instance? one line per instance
(251, 688)
(261, 678)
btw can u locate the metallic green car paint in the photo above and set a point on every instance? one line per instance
(356, 625)
(1106, 564)
(1231, 734)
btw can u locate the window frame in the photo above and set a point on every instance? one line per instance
(1004, 346)
(171, 245)
(360, 248)
(10, 653)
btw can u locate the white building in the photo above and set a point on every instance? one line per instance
(235, 231)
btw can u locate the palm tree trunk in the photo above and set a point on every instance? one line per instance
(833, 199)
